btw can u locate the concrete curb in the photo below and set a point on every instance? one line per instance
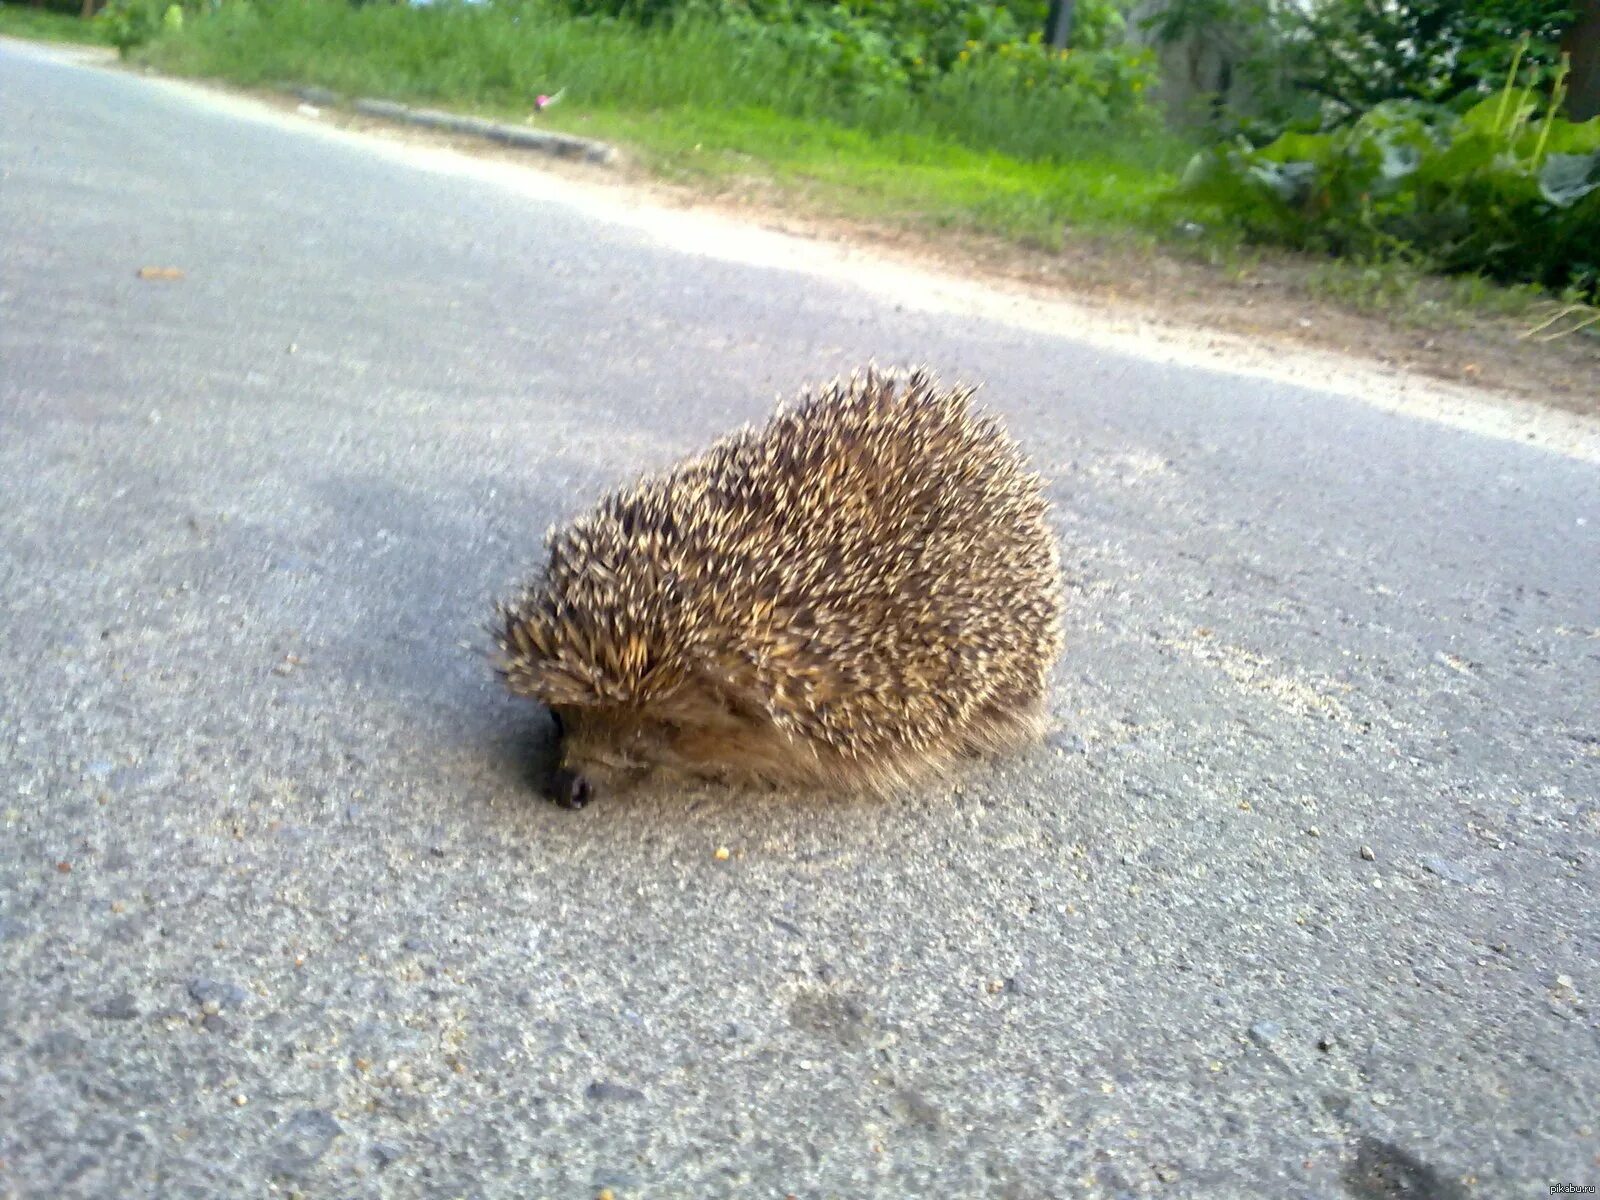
(563, 145)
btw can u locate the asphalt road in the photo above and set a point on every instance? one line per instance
(280, 912)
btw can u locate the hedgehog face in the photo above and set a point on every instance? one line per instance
(606, 751)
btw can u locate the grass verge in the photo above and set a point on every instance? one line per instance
(698, 102)
(45, 25)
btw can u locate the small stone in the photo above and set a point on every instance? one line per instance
(241, 1100)
(1313, 831)
(127, 779)
(1453, 872)
(603, 1091)
(1366, 853)
(303, 1141)
(383, 1154)
(1264, 1033)
(62, 1045)
(116, 1008)
(1065, 743)
(1167, 1174)
(1326, 1042)
(214, 1024)
(721, 854)
(213, 996)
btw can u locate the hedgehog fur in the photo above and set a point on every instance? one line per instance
(851, 597)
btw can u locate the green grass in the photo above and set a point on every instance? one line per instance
(698, 101)
(916, 178)
(45, 25)
(1415, 296)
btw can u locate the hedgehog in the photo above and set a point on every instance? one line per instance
(851, 597)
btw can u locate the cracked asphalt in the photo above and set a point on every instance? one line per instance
(1299, 900)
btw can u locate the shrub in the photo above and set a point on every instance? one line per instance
(1311, 61)
(875, 44)
(1502, 189)
(1017, 98)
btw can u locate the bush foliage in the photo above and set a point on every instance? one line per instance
(1000, 91)
(1502, 189)
(1330, 60)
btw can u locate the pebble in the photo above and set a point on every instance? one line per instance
(126, 779)
(604, 1090)
(1366, 853)
(383, 1154)
(61, 1045)
(213, 996)
(1264, 1033)
(304, 1139)
(116, 1008)
(1453, 872)
(1067, 743)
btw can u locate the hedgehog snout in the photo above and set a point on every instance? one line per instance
(569, 788)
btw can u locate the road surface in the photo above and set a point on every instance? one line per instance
(1299, 900)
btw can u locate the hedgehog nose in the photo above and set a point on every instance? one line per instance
(570, 789)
